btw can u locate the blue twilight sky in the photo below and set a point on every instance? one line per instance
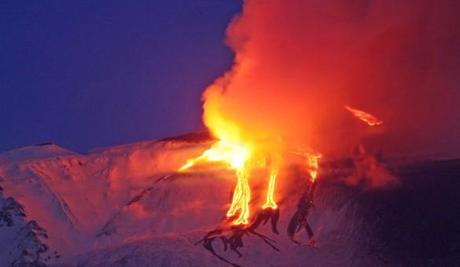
(84, 74)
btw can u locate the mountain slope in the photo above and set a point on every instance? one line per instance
(23, 241)
(126, 206)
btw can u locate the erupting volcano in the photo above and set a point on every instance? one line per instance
(287, 100)
(329, 137)
(242, 153)
(242, 156)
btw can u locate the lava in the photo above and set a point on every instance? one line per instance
(242, 152)
(229, 149)
(242, 158)
(241, 198)
(368, 118)
(235, 156)
(270, 202)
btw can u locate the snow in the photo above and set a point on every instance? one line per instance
(41, 151)
(23, 242)
(111, 207)
(168, 250)
(78, 196)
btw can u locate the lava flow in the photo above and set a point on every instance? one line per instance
(236, 155)
(270, 201)
(241, 152)
(259, 127)
(368, 118)
(241, 157)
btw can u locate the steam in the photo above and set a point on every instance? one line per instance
(299, 62)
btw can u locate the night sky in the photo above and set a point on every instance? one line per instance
(85, 74)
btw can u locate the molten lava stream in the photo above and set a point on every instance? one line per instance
(366, 117)
(241, 198)
(270, 202)
(235, 156)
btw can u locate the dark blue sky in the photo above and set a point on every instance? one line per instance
(84, 74)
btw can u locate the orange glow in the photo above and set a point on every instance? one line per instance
(241, 155)
(235, 156)
(370, 119)
(241, 158)
(230, 150)
(243, 149)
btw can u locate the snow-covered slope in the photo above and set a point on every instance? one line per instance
(75, 195)
(23, 242)
(126, 206)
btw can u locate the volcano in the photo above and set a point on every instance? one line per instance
(129, 206)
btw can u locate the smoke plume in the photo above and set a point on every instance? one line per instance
(299, 62)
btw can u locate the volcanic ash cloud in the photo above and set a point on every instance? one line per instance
(298, 63)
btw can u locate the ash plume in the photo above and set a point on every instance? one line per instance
(299, 62)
